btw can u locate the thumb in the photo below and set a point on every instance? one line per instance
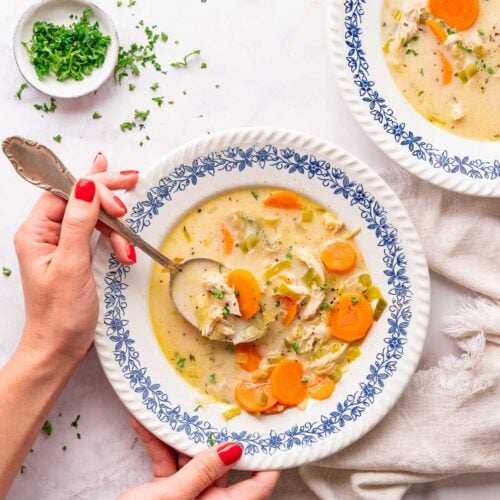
(80, 218)
(204, 469)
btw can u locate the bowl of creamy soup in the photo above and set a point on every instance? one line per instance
(423, 79)
(310, 325)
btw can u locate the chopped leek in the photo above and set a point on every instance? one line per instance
(232, 412)
(273, 270)
(466, 74)
(352, 353)
(336, 347)
(307, 215)
(373, 293)
(397, 14)
(387, 45)
(263, 398)
(309, 277)
(271, 221)
(249, 242)
(379, 308)
(480, 51)
(365, 279)
(336, 374)
(192, 371)
(286, 291)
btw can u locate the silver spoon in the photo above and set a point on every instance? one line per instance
(38, 165)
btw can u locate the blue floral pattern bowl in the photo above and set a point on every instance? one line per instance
(149, 386)
(452, 162)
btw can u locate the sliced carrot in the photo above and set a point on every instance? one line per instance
(283, 199)
(227, 240)
(249, 357)
(447, 69)
(254, 398)
(458, 14)
(322, 389)
(339, 257)
(351, 317)
(277, 408)
(247, 291)
(291, 310)
(287, 383)
(437, 29)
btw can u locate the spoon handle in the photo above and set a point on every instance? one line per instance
(40, 166)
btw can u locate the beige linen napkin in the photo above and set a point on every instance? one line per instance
(448, 420)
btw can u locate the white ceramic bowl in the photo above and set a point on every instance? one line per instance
(150, 387)
(58, 12)
(452, 162)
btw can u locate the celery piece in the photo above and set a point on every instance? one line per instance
(373, 293)
(286, 291)
(307, 215)
(379, 308)
(336, 374)
(365, 279)
(397, 14)
(468, 72)
(309, 277)
(352, 353)
(231, 413)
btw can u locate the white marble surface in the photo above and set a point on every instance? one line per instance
(272, 63)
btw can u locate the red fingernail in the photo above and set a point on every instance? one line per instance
(120, 203)
(85, 190)
(230, 453)
(97, 156)
(129, 172)
(131, 253)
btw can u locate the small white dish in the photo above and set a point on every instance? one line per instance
(452, 162)
(58, 12)
(148, 384)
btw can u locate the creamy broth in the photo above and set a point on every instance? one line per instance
(283, 235)
(469, 105)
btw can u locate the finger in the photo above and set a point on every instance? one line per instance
(183, 459)
(124, 251)
(204, 469)
(222, 481)
(259, 486)
(116, 180)
(100, 164)
(79, 221)
(48, 207)
(110, 203)
(163, 460)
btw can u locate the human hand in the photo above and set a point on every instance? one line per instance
(177, 477)
(54, 253)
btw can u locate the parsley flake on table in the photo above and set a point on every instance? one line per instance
(184, 62)
(141, 115)
(75, 422)
(57, 138)
(69, 52)
(181, 363)
(131, 3)
(119, 3)
(158, 100)
(127, 126)
(6, 271)
(164, 37)
(20, 91)
(203, 65)
(155, 86)
(131, 87)
(47, 427)
(96, 116)
(44, 107)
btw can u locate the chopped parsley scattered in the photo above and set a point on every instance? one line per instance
(57, 138)
(203, 65)
(325, 306)
(119, 3)
(304, 380)
(6, 271)
(96, 116)
(127, 126)
(217, 293)
(69, 52)
(158, 100)
(184, 62)
(212, 379)
(48, 109)
(354, 300)
(289, 256)
(197, 408)
(225, 311)
(295, 347)
(255, 195)
(20, 91)
(171, 102)
(181, 363)
(155, 86)
(75, 422)
(412, 52)
(211, 440)
(164, 37)
(141, 115)
(47, 427)
(131, 87)
(131, 3)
